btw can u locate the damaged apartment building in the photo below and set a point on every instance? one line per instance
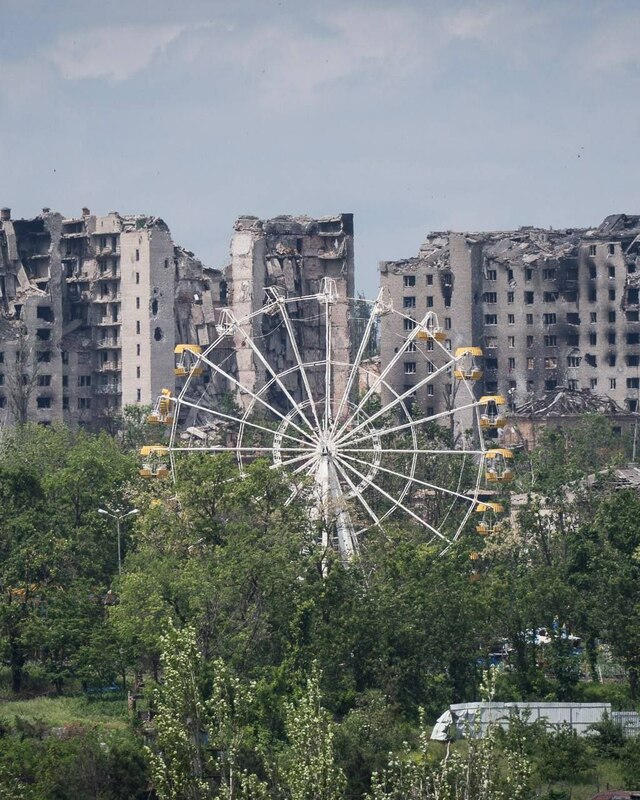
(90, 310)
(92, 307)
(549, 308)
(294, 254)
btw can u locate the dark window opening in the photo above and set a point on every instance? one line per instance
(45, 313)
(158, 335)
(154, 307)
(44, 334)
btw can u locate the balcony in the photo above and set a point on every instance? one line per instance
(107, 323)
(108, 298)
(109, 342)
(108, 366)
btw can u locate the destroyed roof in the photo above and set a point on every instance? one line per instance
(618, 225)
(567, 402)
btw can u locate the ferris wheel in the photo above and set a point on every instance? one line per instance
(281, 383)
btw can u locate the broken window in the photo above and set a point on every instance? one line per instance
(158, 335)
(611, 337)
(573, 319)
(490, 297)
(612, 294)
(528, 274)
(612, 272)
(409, 324)
(549, 319)
(632, 316)
(43, 402)
(491, 362)
(44, 334)
(633, 360)
(551, 362)
(409, 368)
(45, 313)
(510, 274)
(549, 297)
(632, 404)
(633, 338)
(548, 274)
(44, 357)
(530, 385)
(592, 249)
(407, 302)
(612, 251)
(550, 383)
(573, 361)
(612, 316)
(529, 341)
(529, 298)
(591, 360)
(593, 338)
(550, 341)
(491, 386)
(492, 274)
(429, 280)
(44, 380)
(409, 280)
(593, 295)
(490, 319)
(611, 359)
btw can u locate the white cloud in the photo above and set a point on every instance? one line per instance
(112, 52)
(353, 42)
(471, 22)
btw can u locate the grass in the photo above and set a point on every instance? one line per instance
(58, 712)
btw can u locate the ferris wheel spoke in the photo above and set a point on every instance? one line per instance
(256, 351)
(399, 399)
(358, 359)
(357, 494)
(327, 356)
(413, 480)
(395, 501)
(256, 397)
(215, 448)
(390, 366)
(412, 424)
(288, 324)
(231, 418)
(405, 450)
(286, 462)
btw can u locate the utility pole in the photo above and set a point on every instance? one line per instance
(118, 515)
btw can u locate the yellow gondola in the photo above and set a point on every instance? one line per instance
(187, 361)
(491, 415)
(497, 466)
(467, 366)
(431, 330)
(161, 414)
(488, 524)
(154, 465)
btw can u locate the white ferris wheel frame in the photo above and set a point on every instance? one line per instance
(325, 448)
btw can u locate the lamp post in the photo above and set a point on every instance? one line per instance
(118, 515)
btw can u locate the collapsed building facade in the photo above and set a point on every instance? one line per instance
(549, 308)
(90, 310)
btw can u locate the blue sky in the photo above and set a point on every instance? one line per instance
(416, 116)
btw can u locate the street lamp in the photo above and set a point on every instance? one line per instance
(117, 514)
